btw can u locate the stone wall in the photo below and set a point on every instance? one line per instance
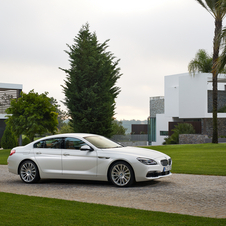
(156, 106)
(192, 139)
(207, 126)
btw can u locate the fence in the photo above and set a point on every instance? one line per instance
(131, 140)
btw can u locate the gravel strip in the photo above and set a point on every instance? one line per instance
(195, 195)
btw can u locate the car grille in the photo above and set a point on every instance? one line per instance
(157, 174)
(166, 162)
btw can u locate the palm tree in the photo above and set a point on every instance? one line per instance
(218, 10)
(222, 58)
(201, 63)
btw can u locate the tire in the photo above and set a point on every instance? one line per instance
(121, 174)
(29, 172)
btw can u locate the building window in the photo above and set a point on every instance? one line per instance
(164, 133)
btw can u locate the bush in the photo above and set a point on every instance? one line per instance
(25, 141)
(181, 128)
(118, 128)
(66, 128)
(9, 140)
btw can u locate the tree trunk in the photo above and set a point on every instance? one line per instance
(216, 46)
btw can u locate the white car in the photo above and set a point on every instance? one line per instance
(87, 157)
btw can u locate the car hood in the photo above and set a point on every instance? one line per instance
(138, 152)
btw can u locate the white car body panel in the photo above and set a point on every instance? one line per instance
(79, 164)
(87, 164)
(49, 160)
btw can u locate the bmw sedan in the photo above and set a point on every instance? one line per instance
(87, 157)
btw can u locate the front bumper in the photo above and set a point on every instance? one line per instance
(151, 172)
(154, 174)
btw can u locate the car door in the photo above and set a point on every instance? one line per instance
(48, 156)
(76, 163)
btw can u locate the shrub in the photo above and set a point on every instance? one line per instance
(66, 128)
(118, 128)
(181, 128)
(9, 140)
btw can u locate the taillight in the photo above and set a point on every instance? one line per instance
(12, 152)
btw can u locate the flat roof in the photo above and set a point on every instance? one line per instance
(5, 86)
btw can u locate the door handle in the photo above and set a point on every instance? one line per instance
(38, 153)
(65, 154)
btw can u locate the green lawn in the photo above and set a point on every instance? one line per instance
(203, 159)
(206, 159)
(4, 154)
(27, 210)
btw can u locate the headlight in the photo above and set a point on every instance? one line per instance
(147, 161)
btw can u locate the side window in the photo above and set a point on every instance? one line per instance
(40, 144)
(73, 143)
(55, 143)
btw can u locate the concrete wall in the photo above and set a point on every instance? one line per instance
(134, 143)
(193, 96)
(172, 95)
(161, 125)
(131, 140)
(186, 96)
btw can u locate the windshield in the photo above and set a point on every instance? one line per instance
(102, 142)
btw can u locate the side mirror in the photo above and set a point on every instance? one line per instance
(86, 148)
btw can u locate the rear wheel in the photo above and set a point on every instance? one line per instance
(121, 174)
(29, 172)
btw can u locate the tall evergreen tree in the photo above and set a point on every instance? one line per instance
(90, 86)
(9, 140)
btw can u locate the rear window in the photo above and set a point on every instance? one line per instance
(54, 143)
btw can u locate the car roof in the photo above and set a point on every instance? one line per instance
(71, 135)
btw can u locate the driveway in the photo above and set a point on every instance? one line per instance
(180, 193)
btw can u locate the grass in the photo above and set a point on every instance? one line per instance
(203, 159)
(4, 154)
(27, 210)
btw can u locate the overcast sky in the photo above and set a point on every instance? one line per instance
(153, 38)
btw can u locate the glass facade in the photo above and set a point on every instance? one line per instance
(151, 130)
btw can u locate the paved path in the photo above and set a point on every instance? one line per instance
(180, 193)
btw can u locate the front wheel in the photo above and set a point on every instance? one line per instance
(29, 172)
(121, 174)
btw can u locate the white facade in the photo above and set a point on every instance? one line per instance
(186, 97)
(7, 92)
(4, 88)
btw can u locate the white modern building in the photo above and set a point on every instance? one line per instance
(187, 99)
(7, 92)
